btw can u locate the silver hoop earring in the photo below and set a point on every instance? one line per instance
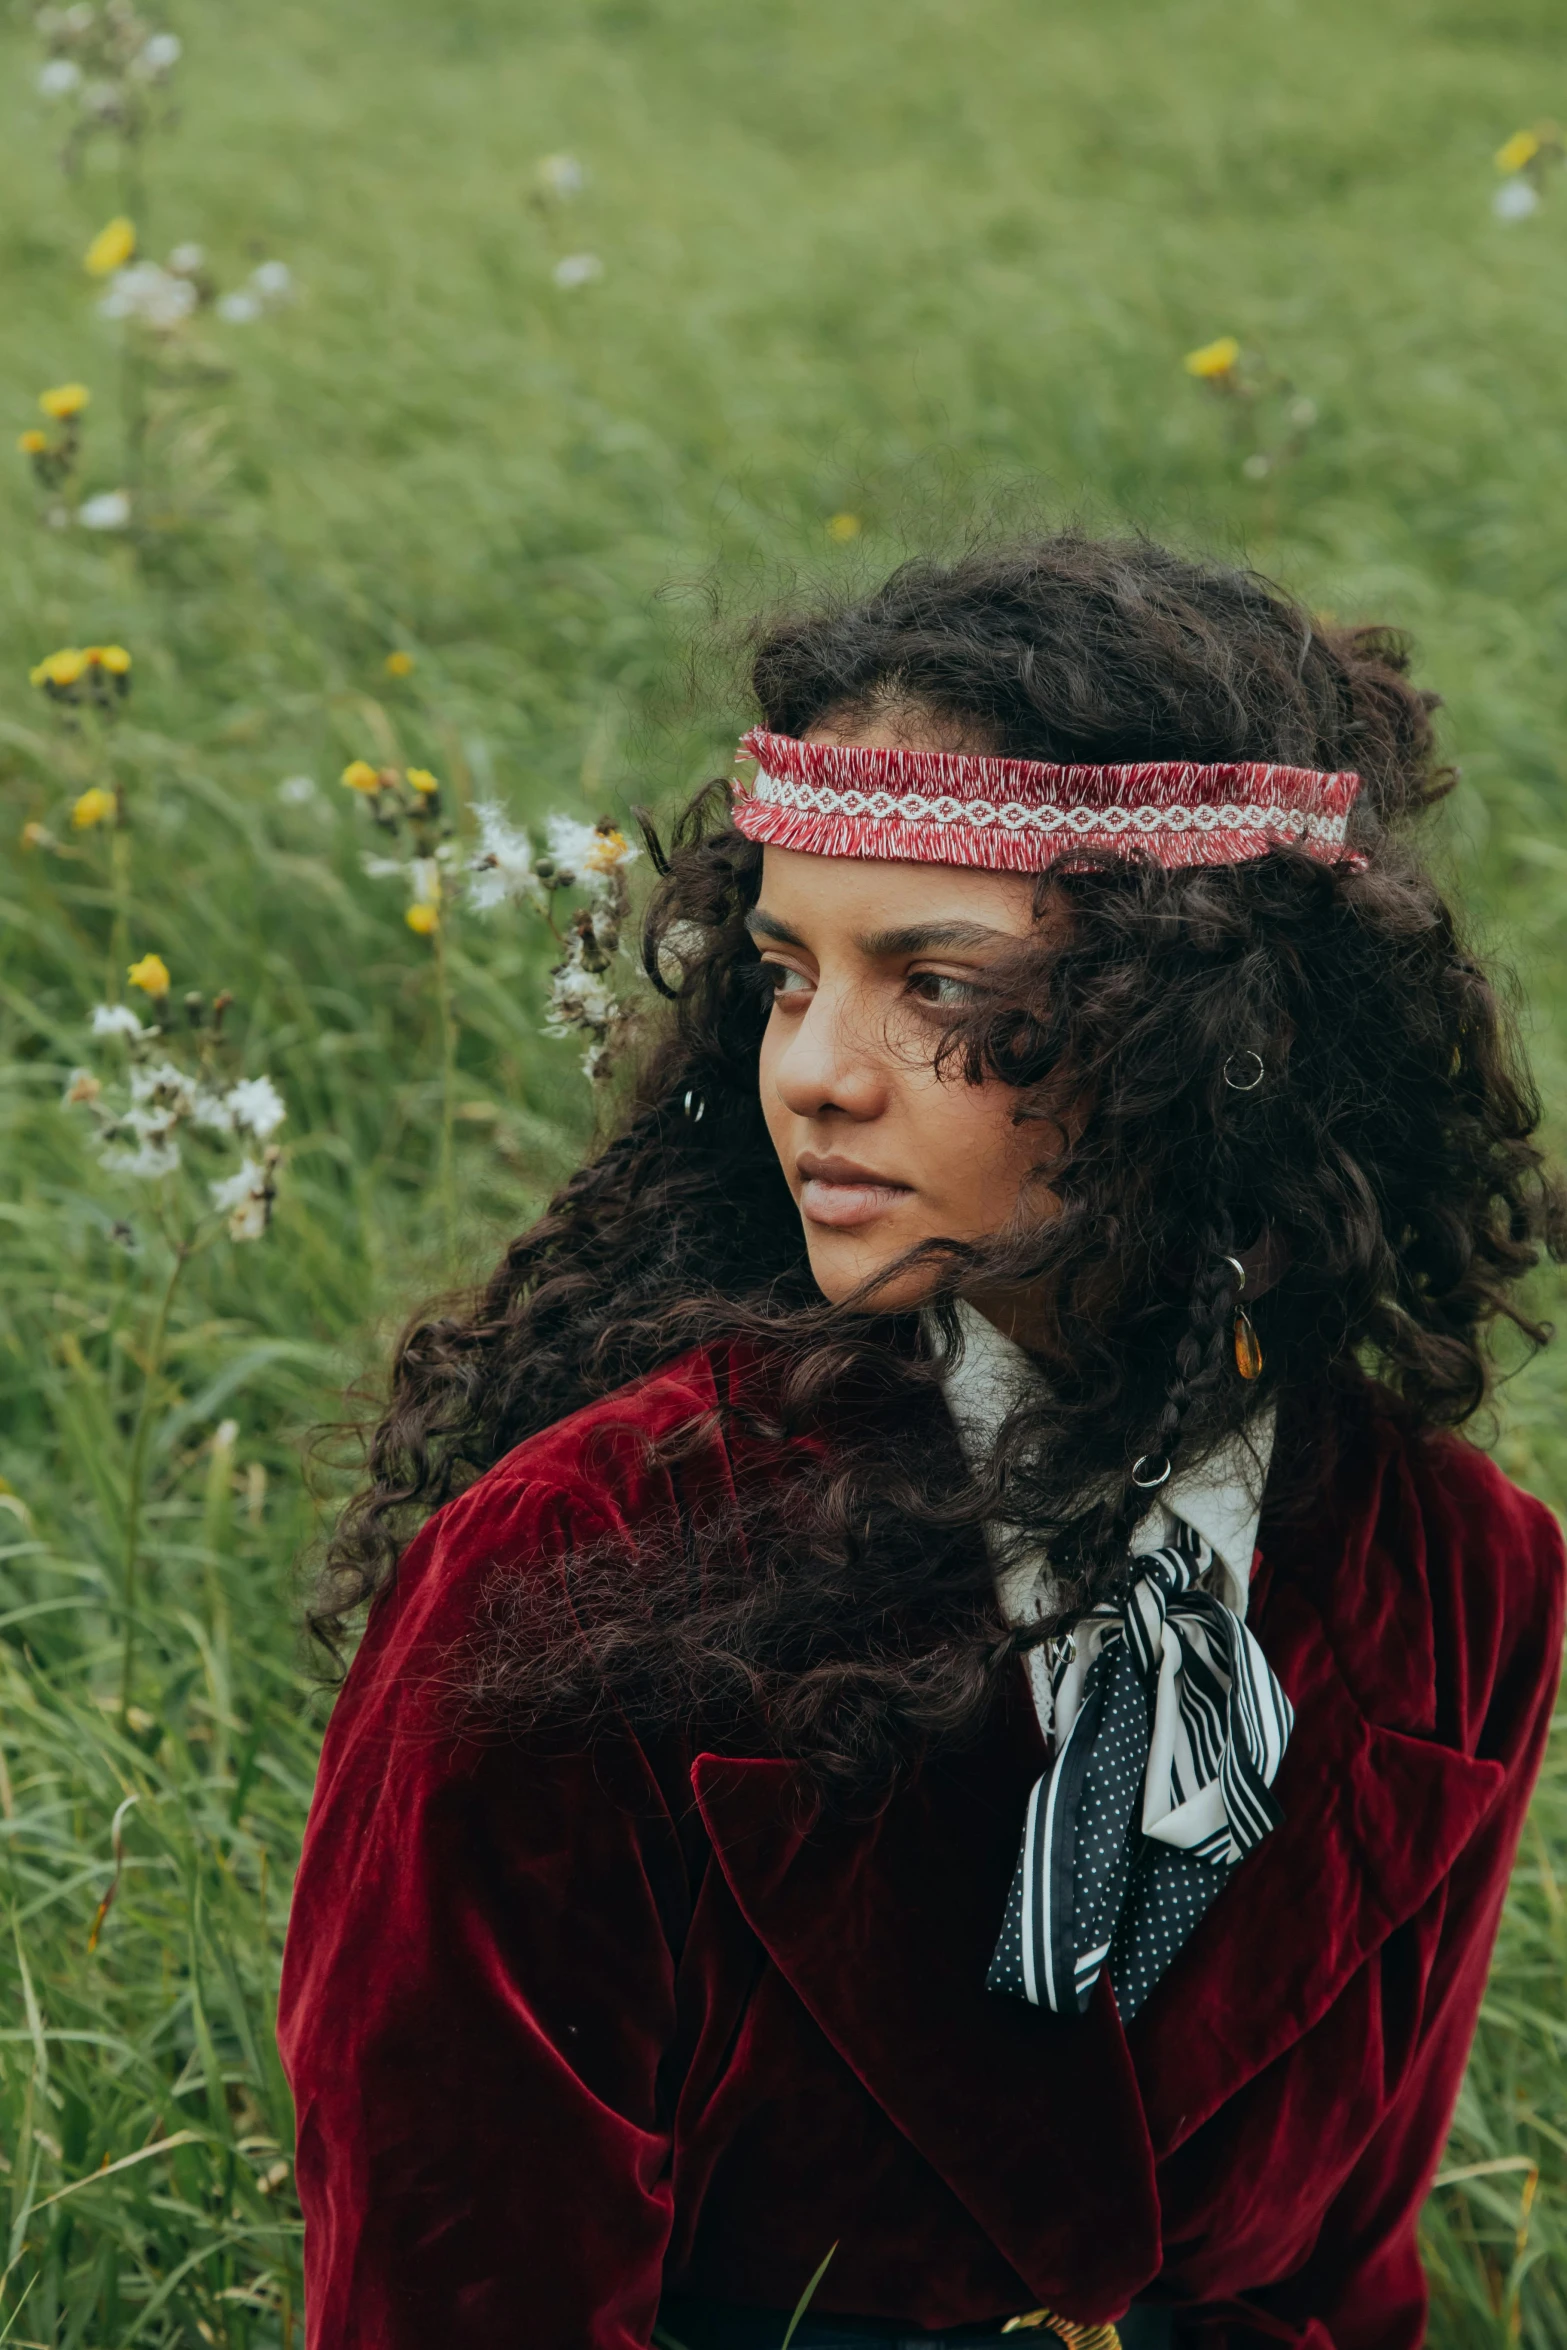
(1244, 1072)
(699, 1113)
(1145, 1461)
(1240, 1270)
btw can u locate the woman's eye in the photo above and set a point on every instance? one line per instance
(939, 987)
(780, 981)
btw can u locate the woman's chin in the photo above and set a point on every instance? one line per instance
(840, 1268)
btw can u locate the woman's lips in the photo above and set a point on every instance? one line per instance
(838, 1193)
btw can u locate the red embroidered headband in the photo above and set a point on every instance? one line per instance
(1018, 815)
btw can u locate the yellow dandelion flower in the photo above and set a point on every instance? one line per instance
(64, 401)
(359, 775)
(151, 975)
(32, 443)
(111, 248)
(60, 669)
(843, 527)
(114, 658)
(1519, 150)
(423, 920)
(423, 782)
(96, 806)
(610, 848)
(399, 664)
(1213, 359)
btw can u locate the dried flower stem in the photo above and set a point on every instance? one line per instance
(448, 1018)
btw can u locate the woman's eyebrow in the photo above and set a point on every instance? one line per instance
(923, 938)
(762, 925)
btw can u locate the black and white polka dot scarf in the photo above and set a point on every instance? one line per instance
(1169, 1731)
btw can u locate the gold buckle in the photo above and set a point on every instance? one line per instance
(1065, 2329)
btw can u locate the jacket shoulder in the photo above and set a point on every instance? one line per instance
(1440, 1584)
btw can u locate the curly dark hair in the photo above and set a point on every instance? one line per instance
(1385, 1165)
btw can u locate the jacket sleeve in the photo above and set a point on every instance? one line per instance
(477, 1992)
(1364, 2287)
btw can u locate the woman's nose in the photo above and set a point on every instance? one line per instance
(829, 1060)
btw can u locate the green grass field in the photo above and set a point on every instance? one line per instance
(931, 268)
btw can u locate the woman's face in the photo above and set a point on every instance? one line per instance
(881, 1151)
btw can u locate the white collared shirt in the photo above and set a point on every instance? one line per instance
(1220, 1499)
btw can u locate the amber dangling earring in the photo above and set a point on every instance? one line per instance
(1248, 1346)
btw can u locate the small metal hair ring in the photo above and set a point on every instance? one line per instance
(1145, 1460)
(1240, 1271)
(699, 1113)
(1252, 1064)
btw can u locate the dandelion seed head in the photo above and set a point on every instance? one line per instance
(148, 295)
(561, 176)
(150, 1160)
(381, 868)
(501, 870)
(297, 791)
(241, 308)
(187, 260)
(1515, 199)
(116, 1020)
(58, 77)
(273, 281)
(577, 269)
(256, 1107)
(109, 510)
(157, 57)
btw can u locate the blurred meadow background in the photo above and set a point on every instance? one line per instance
(458, 379)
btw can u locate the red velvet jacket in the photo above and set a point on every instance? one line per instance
(562, 2028)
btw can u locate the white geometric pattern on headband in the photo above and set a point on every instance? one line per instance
(1012, 816)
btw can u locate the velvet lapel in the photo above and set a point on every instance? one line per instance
(885, 1932)
(1373, 1822)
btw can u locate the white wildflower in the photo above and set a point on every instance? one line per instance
(257, 1107)
(81, 1086)
(241, 309)
(246, 1200)
(116, 1020)
(561, 176)
(381, 868)
(109, 510)
(186, 260)
(78, 19)
(150, 296)
(154, 1156)
(158, 57)
(297, 791)
(165, 1089)
(578, 999)
(1257, 466)
(590, 855)
(273, 281)
(501, 869)
(59, 77)
(1516, 198)
(210, 1109)
(578, 269)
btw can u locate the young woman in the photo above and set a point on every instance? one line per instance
(958, 1704)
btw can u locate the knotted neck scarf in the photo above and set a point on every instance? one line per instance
(1168, 1725)
(1170, 1729)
